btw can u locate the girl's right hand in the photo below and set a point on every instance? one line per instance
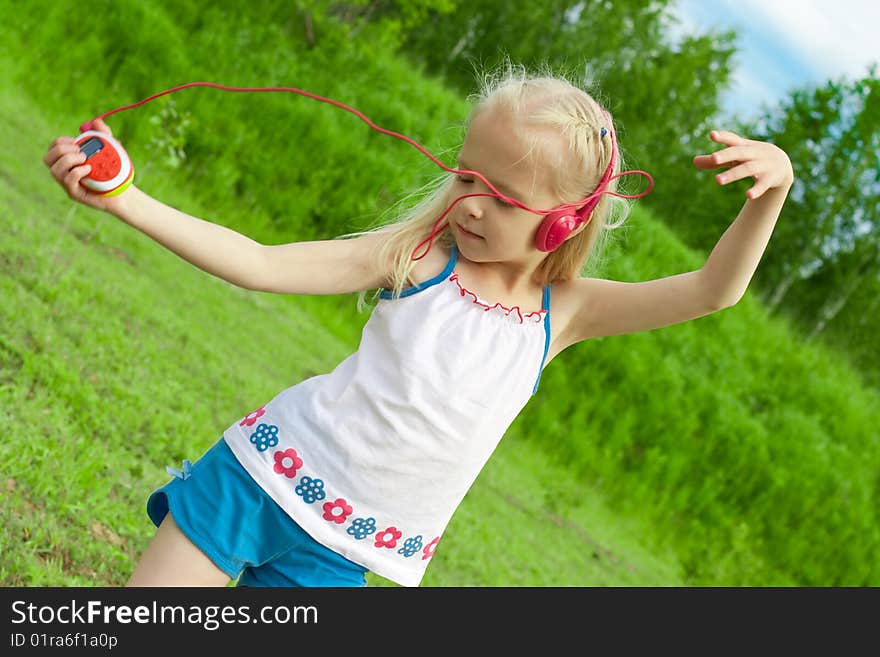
(66, 163)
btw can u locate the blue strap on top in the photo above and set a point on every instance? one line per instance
(450, 265)
(545, 303)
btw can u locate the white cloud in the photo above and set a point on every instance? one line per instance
(785, 44)
(833, 38)
(748, 93)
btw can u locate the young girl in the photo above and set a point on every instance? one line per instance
(362, 468)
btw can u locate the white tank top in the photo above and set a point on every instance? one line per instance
(373, 458)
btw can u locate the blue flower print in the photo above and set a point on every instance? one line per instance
(311, 490)
(265, 436)
(361, 528)
(411, 546)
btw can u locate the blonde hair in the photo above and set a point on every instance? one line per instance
(543, 104)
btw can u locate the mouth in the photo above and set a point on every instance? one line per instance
(468, 233)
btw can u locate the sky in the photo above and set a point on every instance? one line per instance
(786, 44)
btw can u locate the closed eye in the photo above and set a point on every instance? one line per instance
(500, 201)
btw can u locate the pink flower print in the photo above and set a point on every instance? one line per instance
(428, 552)
(252, 417)
(337, 511)
(287, 462)
(388, 537)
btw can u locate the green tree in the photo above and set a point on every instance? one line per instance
(663, 94)
(827, 239)
(826, 243)
(347, 19)
(825, 251)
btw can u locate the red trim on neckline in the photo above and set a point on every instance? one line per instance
(463, 291)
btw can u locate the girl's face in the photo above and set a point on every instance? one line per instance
(486, 228)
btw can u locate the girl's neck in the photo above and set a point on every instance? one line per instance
(508, 278)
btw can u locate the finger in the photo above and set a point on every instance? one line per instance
(726, 137)
(710, 161)
(757, 190)
(731, 155)
(66, 162)
(737, 173)
(100, 126)
(55, 149)
(67, 156)
(71, 181)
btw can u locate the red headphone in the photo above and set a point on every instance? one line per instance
(559, 224)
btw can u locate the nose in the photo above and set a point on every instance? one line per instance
(473, 206)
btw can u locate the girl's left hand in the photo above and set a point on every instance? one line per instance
(765, 162)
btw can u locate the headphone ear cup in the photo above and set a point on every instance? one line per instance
(559, 224)
(555, 227)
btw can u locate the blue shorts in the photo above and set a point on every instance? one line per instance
(226, 514)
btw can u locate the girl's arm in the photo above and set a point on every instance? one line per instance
(210, 247)
(315, 267)
(602, 307)
(318, 267)
(733, 261)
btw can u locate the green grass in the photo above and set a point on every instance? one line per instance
(722, 451)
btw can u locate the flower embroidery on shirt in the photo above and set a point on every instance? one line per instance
(387, 538)
(287, 462)
(251, 417)
(311, 490)
(411, 546)
(337, 511)
(361, 528)
(265, 436)
(428, 552)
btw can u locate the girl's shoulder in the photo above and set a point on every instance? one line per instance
(431, 264)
